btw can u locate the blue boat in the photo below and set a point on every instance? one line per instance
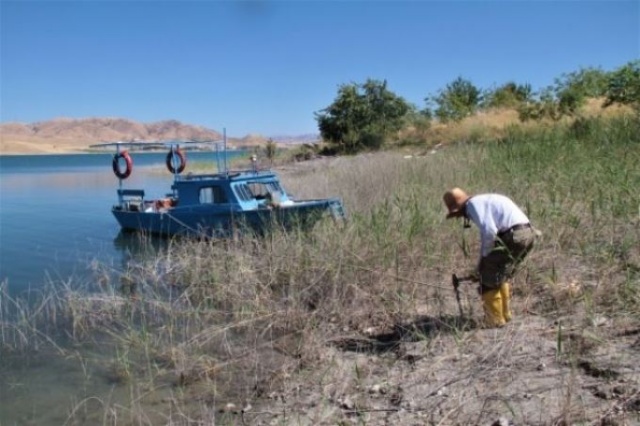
(220, 204)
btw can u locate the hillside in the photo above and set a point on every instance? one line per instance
(65, 135)
(491, 124)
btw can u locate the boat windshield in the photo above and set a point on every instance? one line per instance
(257, 190)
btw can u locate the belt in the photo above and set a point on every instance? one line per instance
(514, 228)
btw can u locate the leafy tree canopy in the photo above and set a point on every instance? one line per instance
(588, 82)
(362, 116)
(573, 89)
(508, 95)
(458, 100)
(624, 86)
(543, 105)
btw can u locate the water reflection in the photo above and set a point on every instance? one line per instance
(136, 245)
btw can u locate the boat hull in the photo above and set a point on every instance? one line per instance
(219, 223)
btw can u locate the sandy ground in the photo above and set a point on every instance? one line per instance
(428, 372)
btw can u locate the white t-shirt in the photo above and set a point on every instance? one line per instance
(493, 213)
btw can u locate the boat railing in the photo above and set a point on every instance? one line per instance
(224, 175)
(133, 193)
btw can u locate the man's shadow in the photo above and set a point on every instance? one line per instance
(423, 328)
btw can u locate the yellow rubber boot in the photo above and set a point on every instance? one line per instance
(505, 294)
(492, 303)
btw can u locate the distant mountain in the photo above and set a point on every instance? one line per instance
(71, 135)
(107, 130)
(288, 139)
(252, 140)
(281, 140)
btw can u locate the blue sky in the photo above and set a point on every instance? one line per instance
(267, 66)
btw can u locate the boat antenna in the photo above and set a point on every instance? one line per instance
(224, 141)
(120, 198)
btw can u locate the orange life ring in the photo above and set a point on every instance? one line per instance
(182, 164)
(122, 174)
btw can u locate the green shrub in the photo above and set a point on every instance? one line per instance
(362, 116)
(458, 100)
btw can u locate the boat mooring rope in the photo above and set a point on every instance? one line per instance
(181, 223)
(362, 268)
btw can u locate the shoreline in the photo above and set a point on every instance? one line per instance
(107, 151)
(26, 154)
(49, 150)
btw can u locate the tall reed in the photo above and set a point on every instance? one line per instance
(240, 317)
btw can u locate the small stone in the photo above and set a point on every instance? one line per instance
(442, 392)
(347, 404)
(619, 390)
(376, 389)
(370, 331)
(230, 407)
(541, 366)
(501, 422)
(603, 393)
(598, 321)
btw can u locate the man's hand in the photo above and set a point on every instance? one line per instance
(473, 275)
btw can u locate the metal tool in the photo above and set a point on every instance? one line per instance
(455, 281)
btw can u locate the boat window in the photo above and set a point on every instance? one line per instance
(274, 187)
(260, 190)
(212, 195)
(257, 190)
(243, 192)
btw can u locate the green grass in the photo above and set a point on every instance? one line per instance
(239, 318)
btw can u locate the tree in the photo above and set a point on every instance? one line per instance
(623, 86)
(270, 150)
(362, 116)
(541, 106)
(459, 99)
(509, 95)
(572, 89)
(586, 82)
(420, 120)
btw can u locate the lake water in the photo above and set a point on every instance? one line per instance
(55, 217)
(55, 221)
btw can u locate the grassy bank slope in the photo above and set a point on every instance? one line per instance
(357, 323)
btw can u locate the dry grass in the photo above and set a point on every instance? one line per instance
(358, 323)
(494, 124)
